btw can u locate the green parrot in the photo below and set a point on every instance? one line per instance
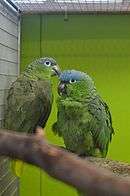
(83, 119)
(30, 100)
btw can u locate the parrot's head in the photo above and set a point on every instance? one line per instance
(49, 66)
(75, 84)
(42, 69)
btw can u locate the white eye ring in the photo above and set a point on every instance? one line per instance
(72, 81)
(47, 63)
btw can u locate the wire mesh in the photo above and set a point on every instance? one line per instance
(73, 5)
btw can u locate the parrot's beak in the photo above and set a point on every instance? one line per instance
(56, 70)
(62, 89)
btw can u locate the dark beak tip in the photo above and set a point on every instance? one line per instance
(62, 86)
(62, 89)
(56, 70)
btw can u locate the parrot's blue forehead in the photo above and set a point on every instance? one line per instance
(68, 75)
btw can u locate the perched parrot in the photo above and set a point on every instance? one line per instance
(30, 100)
(83, 119)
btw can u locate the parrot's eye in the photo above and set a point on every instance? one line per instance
(47, 63)
(72, 81)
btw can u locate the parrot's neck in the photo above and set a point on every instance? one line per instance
(90, 90)
(81, 98)
(82, 92)
(92, 93)
(36, 72)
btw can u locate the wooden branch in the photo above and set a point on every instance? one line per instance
(117, 167)
(65, 166)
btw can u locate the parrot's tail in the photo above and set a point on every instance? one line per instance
(17, 167)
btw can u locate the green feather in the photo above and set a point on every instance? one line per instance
(29, 103)
(84, 120)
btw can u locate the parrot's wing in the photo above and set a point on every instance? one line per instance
(100, 124)
(109, 119)
(27, 108)
(46, 110)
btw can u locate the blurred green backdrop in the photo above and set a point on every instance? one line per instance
(97, 44)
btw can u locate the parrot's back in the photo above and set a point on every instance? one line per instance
(86, 127)
(28, 104)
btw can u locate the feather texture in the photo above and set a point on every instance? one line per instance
(83, 119)
(29, 103)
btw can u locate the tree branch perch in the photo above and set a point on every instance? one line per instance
(67, 167)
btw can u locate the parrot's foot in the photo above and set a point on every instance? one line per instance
(80, 155)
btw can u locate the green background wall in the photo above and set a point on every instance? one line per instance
(99, 45)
